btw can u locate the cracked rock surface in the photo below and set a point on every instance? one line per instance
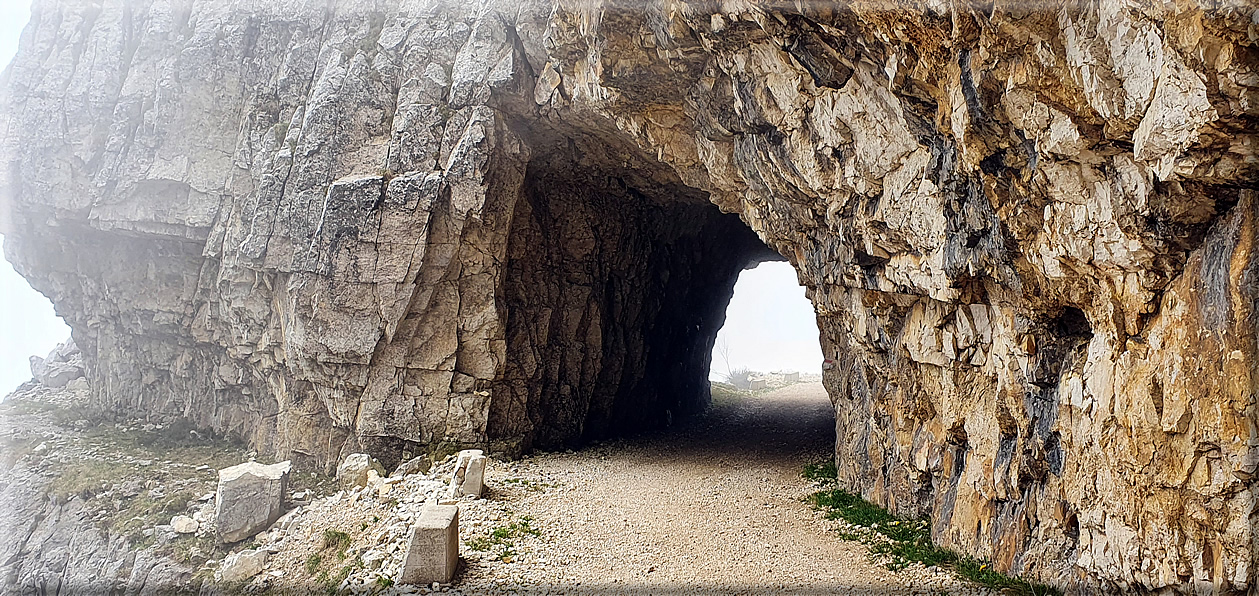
(397, 228)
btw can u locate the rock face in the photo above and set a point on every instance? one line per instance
(1028, 230)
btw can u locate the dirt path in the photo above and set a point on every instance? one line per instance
(715, 506)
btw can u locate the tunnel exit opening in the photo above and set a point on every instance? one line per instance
(769, 332)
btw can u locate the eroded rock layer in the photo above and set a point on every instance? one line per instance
(1028, 230)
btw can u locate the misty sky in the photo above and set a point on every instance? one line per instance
(27, 323)
(769, 324)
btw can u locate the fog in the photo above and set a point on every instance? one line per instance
(770, 325)
(27, 323)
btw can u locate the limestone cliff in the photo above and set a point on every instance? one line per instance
(1028, 229)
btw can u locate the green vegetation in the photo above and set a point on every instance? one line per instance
(339, 541)
(503, 539)
(332, 583)
(312, 563)
(821, 472)
(904, 541)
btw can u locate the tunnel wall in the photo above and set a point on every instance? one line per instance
(1027, 229)
(614, 300)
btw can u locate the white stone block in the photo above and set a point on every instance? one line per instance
(433, 553)
(354, 470)
(468, 479)
(241, 566)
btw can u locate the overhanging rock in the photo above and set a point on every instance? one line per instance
(1028, 232)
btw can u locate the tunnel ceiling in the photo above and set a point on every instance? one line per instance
(1028, 230)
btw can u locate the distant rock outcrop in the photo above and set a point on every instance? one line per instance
(1028, 230)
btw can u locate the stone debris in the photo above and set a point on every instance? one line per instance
(250, 497)
(353, 471)
(433, 551)
(119, 524)
(468, 477)
(241, 566)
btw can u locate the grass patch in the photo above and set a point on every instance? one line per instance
(312, 563)
(337, 540)
(821, 472)
(905, 541)
(502, 540)
(86, 478)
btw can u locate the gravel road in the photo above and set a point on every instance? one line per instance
(712, 506)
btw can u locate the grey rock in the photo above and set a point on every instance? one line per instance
(182, 524)
(416, 465)
(250, 497)
(241, 566)
(353, 470)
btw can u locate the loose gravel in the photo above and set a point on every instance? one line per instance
(712, 506)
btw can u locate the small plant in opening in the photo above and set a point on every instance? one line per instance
(740, 377)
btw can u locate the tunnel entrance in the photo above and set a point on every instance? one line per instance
(617, 283)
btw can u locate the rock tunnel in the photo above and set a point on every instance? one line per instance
(412, 228)
(614, 298)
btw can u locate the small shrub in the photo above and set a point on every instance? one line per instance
(335, 539)
(740, 377)
(312, 563)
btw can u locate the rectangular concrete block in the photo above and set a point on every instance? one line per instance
(433, 553)
(757, 384)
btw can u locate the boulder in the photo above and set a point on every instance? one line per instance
(415, 465)
(62, 365)
(241, 566)
(182, 524)
(249, 498)
(80, 384)
(38, 367)
(353, 471)
(59, 374)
